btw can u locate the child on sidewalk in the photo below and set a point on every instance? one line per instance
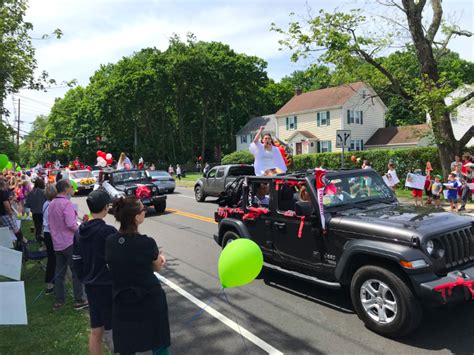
(436, 191)
(417, 194)
(428, 183)
(464, 188)
(452, 187)
(92, 271)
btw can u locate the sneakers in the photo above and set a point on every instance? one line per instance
(57, 306)
(49, 289)
(80, 305)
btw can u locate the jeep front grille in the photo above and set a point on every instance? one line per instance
(458, 246)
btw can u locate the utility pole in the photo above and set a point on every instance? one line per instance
(18, 129)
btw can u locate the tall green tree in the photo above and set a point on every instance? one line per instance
(344, 40)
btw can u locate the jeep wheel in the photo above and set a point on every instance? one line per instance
(160, 207)
(384, 302)
(198, 194)
(229, 237)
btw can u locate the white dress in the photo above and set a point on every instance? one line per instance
(265, 159)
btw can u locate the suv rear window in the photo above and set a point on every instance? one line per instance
(241, 170)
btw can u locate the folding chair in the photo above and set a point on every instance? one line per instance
(36, 256)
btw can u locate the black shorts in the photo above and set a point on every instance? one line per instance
(428, 192)
(436, 197)
(100, 306)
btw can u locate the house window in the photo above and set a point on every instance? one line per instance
(323, 118)
(243, 139)
(454, 117)
(356, 144)
(291, 123)
(355, 117)
(325, 147)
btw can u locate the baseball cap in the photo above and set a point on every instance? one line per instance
(97, 200)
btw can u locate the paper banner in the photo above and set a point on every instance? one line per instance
(12, 303)
(415, 181)
(10, 263)
(5, 237)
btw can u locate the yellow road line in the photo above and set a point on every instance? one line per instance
(191, 215)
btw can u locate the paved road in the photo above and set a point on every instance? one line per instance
(289, 315)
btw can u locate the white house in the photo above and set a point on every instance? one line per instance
(463, 117)
(309, 121)
(246, 134)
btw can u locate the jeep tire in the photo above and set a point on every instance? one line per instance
(384, 302)
(229, 237)
(160, 207)
(199, 194)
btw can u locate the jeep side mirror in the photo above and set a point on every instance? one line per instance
(304, 208)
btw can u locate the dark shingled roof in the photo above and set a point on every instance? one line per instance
(255, 123)
(399, 135)
(329, 97)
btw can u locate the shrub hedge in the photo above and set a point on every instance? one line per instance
(239, 157)
(406, 160)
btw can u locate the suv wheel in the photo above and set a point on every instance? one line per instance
(198, 194)
(160, 207)
(384, 302)
(229, 237)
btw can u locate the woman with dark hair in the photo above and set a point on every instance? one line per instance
(140, 311)
(35, 201)
(268, 159)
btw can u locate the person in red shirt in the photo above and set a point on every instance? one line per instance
(466, 160)
(428, 184)
(77, 164)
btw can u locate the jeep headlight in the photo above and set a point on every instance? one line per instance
(430, 247)
(154, 189)
(129, 192)
(434, 248)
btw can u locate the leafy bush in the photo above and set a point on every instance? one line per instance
(406, 160)
(239, 157)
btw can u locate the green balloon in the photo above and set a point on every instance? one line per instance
(240, 263)
(74, 185)
(18, 168)
(3, 161)
(9, 165)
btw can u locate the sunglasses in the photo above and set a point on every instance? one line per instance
(143, 209)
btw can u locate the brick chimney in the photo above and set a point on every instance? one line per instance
(298, 91)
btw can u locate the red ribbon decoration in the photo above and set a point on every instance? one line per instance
(451, 285)
(143, 191)
(255, 212)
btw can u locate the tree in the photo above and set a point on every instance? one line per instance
(343, 40)
(17, 54)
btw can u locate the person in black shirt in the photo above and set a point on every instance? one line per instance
(89, 264)
(7, 217)
(140, 311)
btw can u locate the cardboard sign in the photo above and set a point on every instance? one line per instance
(10, 263)
(12, 303)
(415, 181)
(6, 237)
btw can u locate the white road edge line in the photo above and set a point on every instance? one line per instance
(231, 324)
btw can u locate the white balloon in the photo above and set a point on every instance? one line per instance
(101, 162)
(108, 156)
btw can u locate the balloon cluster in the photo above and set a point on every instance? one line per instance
(103, 159)
(5, 163)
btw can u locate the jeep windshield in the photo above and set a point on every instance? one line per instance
(129, 175)
(355, 187)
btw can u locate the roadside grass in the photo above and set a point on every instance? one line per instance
(189, 180)
(64, 331)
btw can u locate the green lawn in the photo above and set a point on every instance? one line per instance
(189, 180)
(64, 331)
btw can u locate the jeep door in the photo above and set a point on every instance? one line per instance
(258, 226)
(295, 239)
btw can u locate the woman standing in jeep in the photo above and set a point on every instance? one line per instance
(268, 159)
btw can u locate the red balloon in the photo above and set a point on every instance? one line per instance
(354, 158)
(109, 161)
(98, 153)
(103, 155)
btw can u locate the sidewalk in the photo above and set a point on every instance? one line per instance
(445, 205)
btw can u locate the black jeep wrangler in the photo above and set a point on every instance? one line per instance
(121, 183)
(353, 233)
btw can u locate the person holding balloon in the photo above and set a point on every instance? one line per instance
(140, 310)
(268, 158)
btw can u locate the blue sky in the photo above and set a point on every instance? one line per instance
(102, 31)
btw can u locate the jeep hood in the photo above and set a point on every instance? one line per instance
(397, 221)
(135, 183)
